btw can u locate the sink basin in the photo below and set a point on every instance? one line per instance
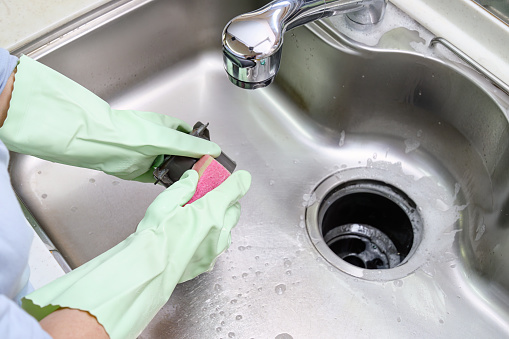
(345, 136)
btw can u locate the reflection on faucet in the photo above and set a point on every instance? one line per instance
(252, 41)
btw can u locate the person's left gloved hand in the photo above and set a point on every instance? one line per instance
(56, 119)
(126, 286)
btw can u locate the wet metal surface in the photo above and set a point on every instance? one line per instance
(414, 123)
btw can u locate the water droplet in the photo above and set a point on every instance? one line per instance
(219, 329)
(40, 172)
(452, 266)
(258, 273)
(309, 199)
(218, 288)
(288, 272)
(272, 182)
(398, 283)
(115, 183)
(234, 277)
(284, 336)
(239, 317)
(91, 180)
(399, 319)
(244, 275)
(287, 263)
(441, 321)
(342, 139)
(260, 289)
(213, 315)
(231, 335)
(234, 301)
(280, 289)
(44, 196)
(74, 209)
(241, 248)
(257, 257)
(375, 155)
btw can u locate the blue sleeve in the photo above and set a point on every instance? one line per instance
(15, 241)
(15, 237)
(7, 64)
(16, 323)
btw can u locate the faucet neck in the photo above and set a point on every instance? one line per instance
(252, 41)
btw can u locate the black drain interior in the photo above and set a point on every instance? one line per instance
(369, 224)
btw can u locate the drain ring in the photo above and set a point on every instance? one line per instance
(363, 246)
(366, 228)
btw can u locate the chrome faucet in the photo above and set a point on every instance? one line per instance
(252, 42)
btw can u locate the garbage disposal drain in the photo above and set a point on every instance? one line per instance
(365, 223)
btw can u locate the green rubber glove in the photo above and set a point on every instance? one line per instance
(56, 119)
(126, 286)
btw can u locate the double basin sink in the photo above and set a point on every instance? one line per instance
(380, 197)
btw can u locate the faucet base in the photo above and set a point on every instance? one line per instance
(250, 85)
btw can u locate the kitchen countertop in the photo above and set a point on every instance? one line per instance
(22, 21)
(467, 26)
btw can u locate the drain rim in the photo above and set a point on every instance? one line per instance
(407, 266)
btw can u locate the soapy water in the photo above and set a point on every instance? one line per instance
(411, 145)
(396, 31)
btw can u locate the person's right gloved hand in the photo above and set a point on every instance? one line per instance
(126, 286)
(56, 119)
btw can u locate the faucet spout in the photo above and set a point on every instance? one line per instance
(252, 41)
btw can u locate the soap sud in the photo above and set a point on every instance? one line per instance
(309, 199)
(479, 232)
(394, 18)
(411, 145)
(440, 205)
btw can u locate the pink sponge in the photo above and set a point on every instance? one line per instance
(211, 173)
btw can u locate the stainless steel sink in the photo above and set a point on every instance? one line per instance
(338, 117)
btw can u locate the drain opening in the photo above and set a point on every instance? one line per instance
(369, 224)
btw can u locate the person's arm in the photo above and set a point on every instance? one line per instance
(68, 323)
(5, 98)
(54, 118)
(15, 237)
(126, 286)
